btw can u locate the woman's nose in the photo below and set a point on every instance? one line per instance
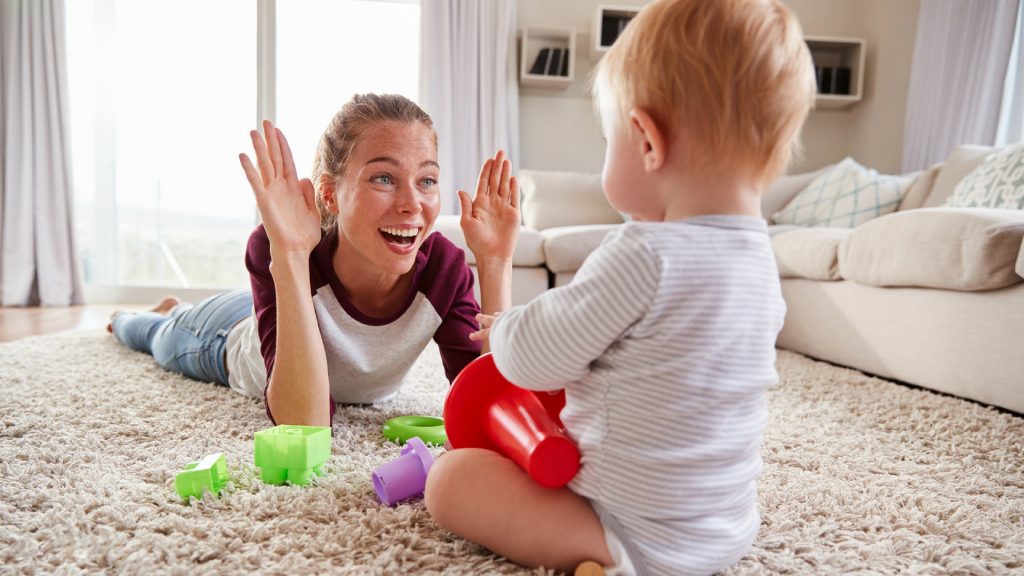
(408, 198)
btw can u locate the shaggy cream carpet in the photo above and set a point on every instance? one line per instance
(862, 475)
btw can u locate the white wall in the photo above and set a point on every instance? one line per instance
(559, 130)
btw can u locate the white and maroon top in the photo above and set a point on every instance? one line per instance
(367, 357)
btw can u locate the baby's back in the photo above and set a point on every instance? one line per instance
(669, 419)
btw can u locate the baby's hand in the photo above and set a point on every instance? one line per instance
(486, 321)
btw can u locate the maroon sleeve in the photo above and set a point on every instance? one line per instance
(448, 284)
(264, 301)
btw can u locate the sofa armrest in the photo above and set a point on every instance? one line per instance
(529, 247)
(566, 247)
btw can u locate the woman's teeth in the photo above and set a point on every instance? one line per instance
(400, 235)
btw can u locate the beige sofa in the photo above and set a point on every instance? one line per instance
(929, 296)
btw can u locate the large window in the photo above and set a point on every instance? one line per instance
(163, 94)
(328, 50)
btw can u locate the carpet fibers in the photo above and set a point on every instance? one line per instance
(861, 475)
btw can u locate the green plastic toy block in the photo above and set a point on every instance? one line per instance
(210, 473)
(292, 453)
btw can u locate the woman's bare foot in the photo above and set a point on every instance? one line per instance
(163, 307)
(166, 305)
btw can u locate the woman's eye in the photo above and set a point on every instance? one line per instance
(429, 182)
(382, 179)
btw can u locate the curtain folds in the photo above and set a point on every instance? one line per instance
(961, 54)
(38, 261)
(468, 85)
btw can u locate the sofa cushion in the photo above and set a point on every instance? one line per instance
(920, 188)
(845, 195)
(809, 252)
(959, 164)
(552, 199)
(566, 247)
(966, 249)
(998, 182)
(529, 249)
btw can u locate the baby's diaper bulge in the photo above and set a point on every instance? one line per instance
(622, 563)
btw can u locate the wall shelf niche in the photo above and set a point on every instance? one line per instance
(546, 57)
(839, 68)
(609, 22)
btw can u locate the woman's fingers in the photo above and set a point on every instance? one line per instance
(251, 174)
(286, 155)
(513, 192)
(506, 173)
(273, 146)
(485, 176)
(465, 205)
(262, 157)
(308, 193)
(496, 169)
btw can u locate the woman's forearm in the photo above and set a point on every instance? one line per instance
(298, 391)
(495, 276)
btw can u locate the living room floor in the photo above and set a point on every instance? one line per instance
(17, 323)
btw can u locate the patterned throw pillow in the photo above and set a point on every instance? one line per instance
(998, 182)
(843, 197)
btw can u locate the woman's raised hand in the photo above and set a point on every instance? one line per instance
(286, 203)
(490, 221)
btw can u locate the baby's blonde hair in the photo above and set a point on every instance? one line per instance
(735, 75)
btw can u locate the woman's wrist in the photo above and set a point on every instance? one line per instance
(289, 265)
(495, 263)
(495, 276)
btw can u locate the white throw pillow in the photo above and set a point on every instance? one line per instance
(998, 182)
(844, 196)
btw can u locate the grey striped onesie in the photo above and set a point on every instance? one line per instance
(665, 344)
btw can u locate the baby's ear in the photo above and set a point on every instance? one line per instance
(650, 137)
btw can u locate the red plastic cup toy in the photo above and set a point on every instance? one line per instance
(484, 410)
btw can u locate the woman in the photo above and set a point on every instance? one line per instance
(348, 282)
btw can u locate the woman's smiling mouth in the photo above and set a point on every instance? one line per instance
(400, 236)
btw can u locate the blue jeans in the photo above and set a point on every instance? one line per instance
(190, 340)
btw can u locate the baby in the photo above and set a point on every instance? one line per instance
(664, 340)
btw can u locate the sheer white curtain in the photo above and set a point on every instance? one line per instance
(38, 263)
(468, 86)
(1011, 116)
(961, 53)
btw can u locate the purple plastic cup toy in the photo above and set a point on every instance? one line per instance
(406, 476)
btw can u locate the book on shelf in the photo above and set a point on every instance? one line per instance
(540, 65)
(555, 64)
(564, 71)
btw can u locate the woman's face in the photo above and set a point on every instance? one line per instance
(388, 197)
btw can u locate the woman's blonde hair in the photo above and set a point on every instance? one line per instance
(735, 75)
(345, 131)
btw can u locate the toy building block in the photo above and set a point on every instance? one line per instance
(291, 453)
(406, 476)
(210, 473)
(484, 410)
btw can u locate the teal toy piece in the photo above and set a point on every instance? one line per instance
(291, 453)
(210, 473)
(430, 429)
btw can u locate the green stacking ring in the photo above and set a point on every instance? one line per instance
(427, 428)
